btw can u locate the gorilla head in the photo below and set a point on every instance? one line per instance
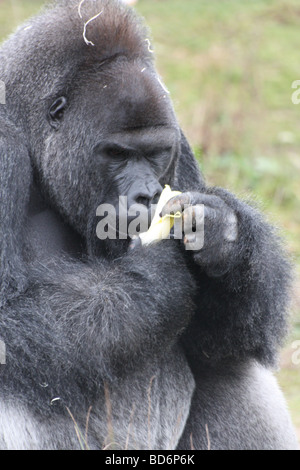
(101, 107)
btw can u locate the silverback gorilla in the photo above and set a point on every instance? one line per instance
(146, 348)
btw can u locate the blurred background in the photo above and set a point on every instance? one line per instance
(230, 66)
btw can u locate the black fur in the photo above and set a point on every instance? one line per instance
(92, 324)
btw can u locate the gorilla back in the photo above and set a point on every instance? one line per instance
(127, 344)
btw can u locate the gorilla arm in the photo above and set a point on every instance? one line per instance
(242, 273)
(15, 177)
(243, 279)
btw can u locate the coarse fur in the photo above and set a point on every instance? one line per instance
(107, 347)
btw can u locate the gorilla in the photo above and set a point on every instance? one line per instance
(109, 347)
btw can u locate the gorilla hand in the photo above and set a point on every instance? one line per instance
(210, 229)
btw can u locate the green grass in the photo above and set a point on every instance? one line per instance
(229, 65)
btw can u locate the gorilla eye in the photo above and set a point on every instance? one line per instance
(116, 151)
(56, 111)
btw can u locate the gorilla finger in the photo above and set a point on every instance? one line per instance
(193, 218)
(209, 200)
(194, 241)
(176, 204)
(210, 214)
(135, 243)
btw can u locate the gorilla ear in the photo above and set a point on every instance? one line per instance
(15, 179)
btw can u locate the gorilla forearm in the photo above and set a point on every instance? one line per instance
(242, 313)
(14, 183)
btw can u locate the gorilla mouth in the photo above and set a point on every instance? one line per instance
(120, 223)
(143, 222)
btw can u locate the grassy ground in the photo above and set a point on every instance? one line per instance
(230, 65)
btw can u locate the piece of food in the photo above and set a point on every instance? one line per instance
(160, 226)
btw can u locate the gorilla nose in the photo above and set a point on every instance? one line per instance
(147, 200)
(146, 196)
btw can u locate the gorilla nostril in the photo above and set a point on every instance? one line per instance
(155, 198)
(148, 200)
(144, 193)
(145, 201)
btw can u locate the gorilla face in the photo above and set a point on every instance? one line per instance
(99, 122)
(114, 134)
